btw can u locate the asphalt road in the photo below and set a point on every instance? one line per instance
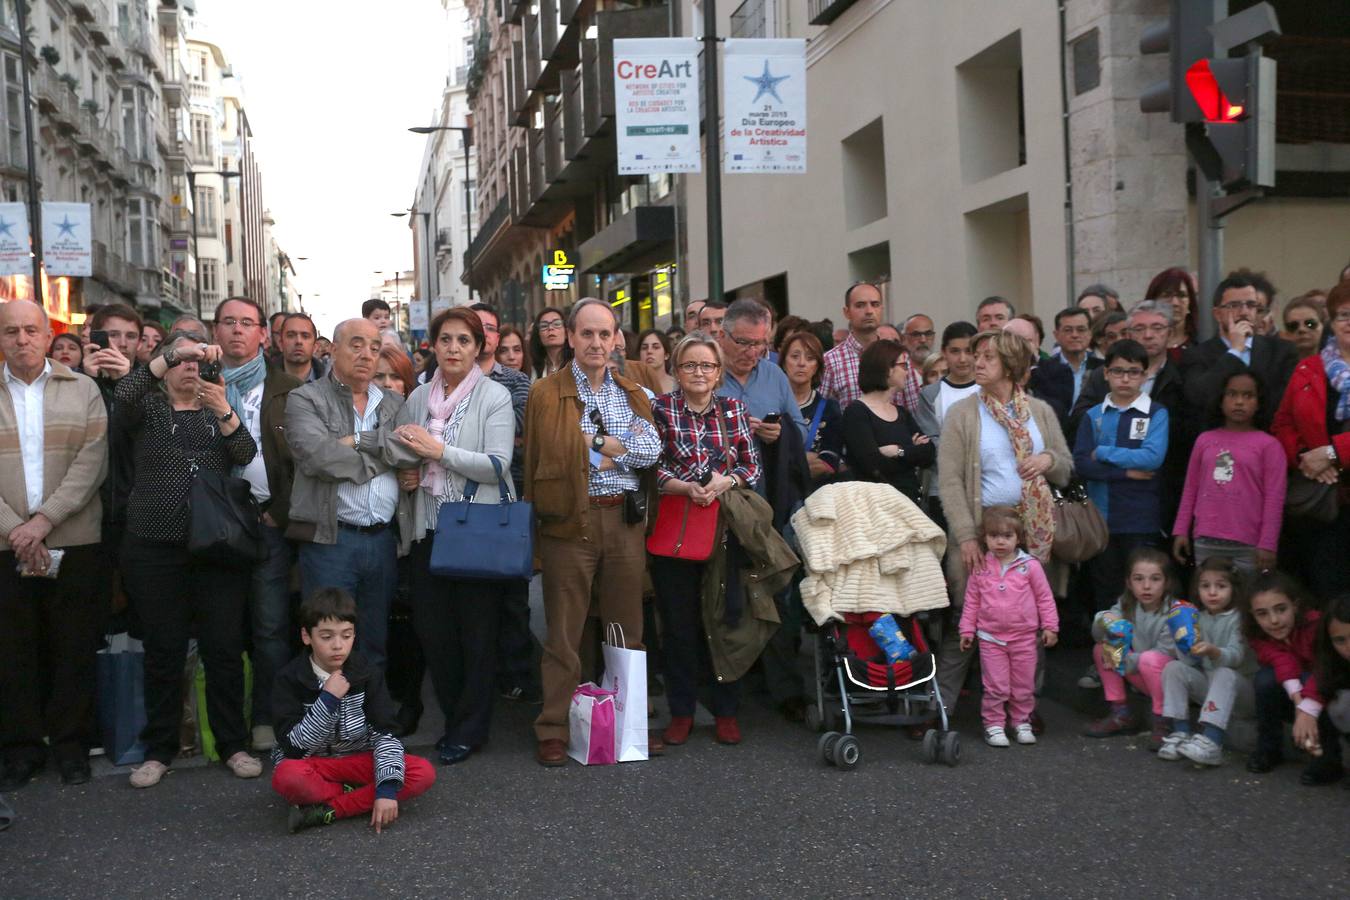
(1070, 816)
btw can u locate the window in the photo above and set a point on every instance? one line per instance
(210, 280)
(135, 232)
(229, 245)
(206, 211)
(747, 21)
(16, 154)
(199, 65)
(472, 203)
(202, 143)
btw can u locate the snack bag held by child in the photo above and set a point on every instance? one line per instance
(886, 632)
(1119, 639)
(1183, 622)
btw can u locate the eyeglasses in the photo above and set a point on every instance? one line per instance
(1117, 372)
(1155, 328)
(747, 344)
(550, 325)
(1307, 324)
(1075, 329)
(901, 363)
(706, 368)
(490, 328)
(1238, 305)
(921, 334)
(231, 322)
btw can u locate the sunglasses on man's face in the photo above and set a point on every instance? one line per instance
(1300, 325)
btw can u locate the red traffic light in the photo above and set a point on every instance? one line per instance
(1204, 88)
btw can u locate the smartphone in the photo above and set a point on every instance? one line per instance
(100, 338)
(771, 419)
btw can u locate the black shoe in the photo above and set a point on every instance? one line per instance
(302, 817)
(18, 774)
(522, 694)
(793, 709)
(75, 771)
(454, 753)
(1322, 771)
(1262, 761)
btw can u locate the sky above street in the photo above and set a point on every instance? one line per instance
(330, 89)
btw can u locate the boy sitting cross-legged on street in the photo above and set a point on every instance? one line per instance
(336, 755)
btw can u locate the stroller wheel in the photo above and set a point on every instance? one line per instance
(951, 748)
(825, 746)
(847, 752)
(930, 746)
(814, 720)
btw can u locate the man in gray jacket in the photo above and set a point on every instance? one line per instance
(346, 502)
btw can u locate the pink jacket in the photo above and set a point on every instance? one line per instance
(1009, 604)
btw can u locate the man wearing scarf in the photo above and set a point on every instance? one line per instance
(258, 394)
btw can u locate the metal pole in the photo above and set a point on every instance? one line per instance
(432, 288)
(713, 153)
(468, 212)
(196, 258)
(1209, 234)
(34, 203)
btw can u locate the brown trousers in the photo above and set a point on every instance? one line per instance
(612, 557)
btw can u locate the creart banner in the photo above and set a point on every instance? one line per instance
(67, 239)
(15, 248)
(764, 106)
(656, 106)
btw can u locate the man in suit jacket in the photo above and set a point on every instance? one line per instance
(1238, 346)
(1050, 380)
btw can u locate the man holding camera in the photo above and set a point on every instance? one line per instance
(258, 394)
(588, 433)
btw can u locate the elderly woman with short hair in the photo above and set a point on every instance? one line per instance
(1000, 447)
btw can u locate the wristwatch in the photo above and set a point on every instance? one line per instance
(1331, 455)
(227, 417)
(598, 442)
(171, 357)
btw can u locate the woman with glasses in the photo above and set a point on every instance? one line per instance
(1303, 326)
(549, 350)
(1313, 424)
(1177, 287)
(707, 450)
(881, 441)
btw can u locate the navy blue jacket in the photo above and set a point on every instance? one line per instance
(1134, 438)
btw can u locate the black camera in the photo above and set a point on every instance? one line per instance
(208, 371)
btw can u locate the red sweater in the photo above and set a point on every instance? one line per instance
(1301, 421)
(1292, 657)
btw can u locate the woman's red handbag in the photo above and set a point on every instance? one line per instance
(683, 530)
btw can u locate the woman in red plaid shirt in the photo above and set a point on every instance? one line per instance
(706, 450)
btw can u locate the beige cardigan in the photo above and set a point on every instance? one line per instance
(959, 463)
(74, 461)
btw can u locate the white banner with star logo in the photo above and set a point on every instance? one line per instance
(656, 109)
(16, 255)
(67, 239)
(764, 106)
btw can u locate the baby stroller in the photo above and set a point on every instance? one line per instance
(856, 683)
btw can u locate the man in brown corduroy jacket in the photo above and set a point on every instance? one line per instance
(53, 457)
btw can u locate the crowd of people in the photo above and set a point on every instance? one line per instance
(1212, 462)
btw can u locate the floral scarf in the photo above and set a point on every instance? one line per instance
(444, 415)
(1338, 376)
(1038, 506)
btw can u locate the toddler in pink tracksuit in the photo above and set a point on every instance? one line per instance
(1009, 607)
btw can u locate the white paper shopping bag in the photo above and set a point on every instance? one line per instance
(626, 676)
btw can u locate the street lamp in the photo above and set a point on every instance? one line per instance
(467, 132)
(192, 193)
(426, 219)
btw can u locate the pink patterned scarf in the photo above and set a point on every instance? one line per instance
(440, 417)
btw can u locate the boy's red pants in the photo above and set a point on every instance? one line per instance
(320, 779)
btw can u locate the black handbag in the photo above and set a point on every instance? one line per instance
(484, 541)
(224, 523)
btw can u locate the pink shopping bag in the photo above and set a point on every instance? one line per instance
(590, 726)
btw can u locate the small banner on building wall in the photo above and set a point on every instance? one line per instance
(656, 105)
(764, 106)
(15, 250)
(67, 239)
(417, 315)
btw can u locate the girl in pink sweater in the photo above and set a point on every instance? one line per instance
(1008, 607)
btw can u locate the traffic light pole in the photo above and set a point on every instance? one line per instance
(1209, 234)
(711, 132)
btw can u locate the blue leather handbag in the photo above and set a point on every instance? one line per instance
(484, 541)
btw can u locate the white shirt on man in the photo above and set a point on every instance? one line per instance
(29, 416)
(250, 416)
(376, 501)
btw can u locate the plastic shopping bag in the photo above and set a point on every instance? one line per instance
(626, 676)
(208, 737)
(590, 726)
(120, 680)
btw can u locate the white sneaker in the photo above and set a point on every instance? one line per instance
(148, 774)
(1025, 735)
(1091, 680)
(995, 736)
(243, 765)
(264, 738)
(1202, 750)
(1171, 746)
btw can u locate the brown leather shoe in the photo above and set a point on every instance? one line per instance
(551, 752)
(655, 746)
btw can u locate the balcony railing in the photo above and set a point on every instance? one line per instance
(488, 228)
(823, 12)
(171, 288)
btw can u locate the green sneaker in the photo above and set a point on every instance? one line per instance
(302, 817)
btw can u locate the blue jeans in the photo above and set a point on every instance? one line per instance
(365, 566)
(270, 615)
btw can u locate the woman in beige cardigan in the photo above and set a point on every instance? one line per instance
(999, 447)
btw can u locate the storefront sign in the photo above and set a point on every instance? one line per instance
(560, 275)
(15, 253)
(764, 112)
(656, 105)
(67, 239)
